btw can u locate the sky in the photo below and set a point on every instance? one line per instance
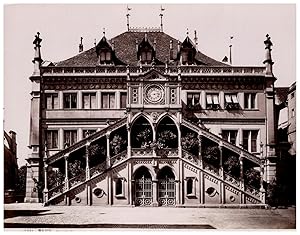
(61, 27)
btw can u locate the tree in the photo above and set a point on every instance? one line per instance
(166, 139)
(190, 143)
(21, 181)
(143, 137)
(118, 144)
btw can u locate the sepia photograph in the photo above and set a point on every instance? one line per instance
(160, 117)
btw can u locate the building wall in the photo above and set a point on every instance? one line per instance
(292, 119)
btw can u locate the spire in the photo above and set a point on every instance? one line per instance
(230, 53)
(81, 45)
(127, 16)
(161, 18)
(268, 60)
(37, 60)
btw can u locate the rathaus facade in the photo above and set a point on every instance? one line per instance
(143, 119)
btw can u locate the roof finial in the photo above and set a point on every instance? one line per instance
(127, 15)
(81, 45)
(187, 32)
(161, 17)
(103, 32)
(196, 39)
(95, 42)
(230, 46)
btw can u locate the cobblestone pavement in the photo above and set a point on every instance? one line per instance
(36, 216)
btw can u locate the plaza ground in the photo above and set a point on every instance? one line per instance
(26, 216)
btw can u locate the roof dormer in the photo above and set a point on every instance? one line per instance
(146, 52)
(187, 52)
(104, 52)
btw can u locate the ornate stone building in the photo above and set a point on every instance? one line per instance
(144, 119)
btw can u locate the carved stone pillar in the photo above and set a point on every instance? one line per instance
(221, 173)
(67, 199)
(87, 160)
(177, 185)
(154, 187)
(46, 183)
(262, 189)
(242, 183)
(200, 150)
(107, 150)
(87, 173)
(129, 140)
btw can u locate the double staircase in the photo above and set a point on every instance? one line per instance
(57, 194)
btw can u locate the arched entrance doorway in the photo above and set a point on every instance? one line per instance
(166, 187)
(143, 187)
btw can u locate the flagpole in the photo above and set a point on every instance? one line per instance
(230, 46)
(161, 16)
(127, 15)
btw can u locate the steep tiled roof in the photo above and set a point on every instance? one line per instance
(125, 50)
(281, 94)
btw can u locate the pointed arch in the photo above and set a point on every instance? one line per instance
(143, 171)
(141, 133)
(166, 171)
(167, 132)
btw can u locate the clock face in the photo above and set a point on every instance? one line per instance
(154, 94)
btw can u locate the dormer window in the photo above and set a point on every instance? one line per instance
(187, 57)
(105, 57)
(145, 51)
(187, 52)
(146, 56)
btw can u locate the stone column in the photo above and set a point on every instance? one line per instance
(129, 140)
(87, 173)
(262, 189)
(200, 150)
(61, 138)
(130, 191)
(109, 189)
(155, 192)
(107, 150)
(80, 101)
(180, 184)
(242, 183)
(46, 183)
(221, 173)
(118, 98)
(61, 99)
(99, 101)
(67, 199)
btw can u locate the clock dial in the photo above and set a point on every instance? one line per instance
(154, 94)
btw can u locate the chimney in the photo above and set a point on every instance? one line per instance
(268, 57)
(81, 45)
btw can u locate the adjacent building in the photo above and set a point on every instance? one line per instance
(10, 166)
